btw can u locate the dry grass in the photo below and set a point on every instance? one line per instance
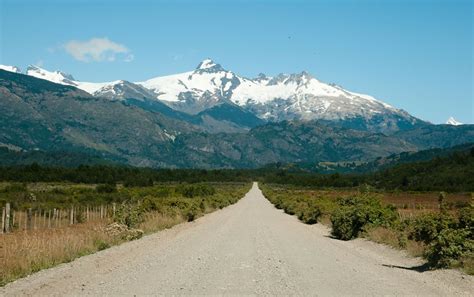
(393, 238)
(402, 200)
(384, 235)
(155, 221)
(468, 265)
(415, 248)
(23, 253)
(424, 201)
(325, 220)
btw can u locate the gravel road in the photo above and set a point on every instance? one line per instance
(249, 248)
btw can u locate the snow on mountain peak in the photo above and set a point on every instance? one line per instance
(282, 97)
(209, 66)
(54, 76)
(206, 63)
(10, 68)
(453, 121)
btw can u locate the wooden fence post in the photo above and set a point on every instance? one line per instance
(7, 217)
(35, 222)
(29, 219)
(113, 210)
(59, 218)
(38, 219)
(3, 219)
(25, 221)
(49, 219)
(44, 219)
(13, 220)
(71, 216)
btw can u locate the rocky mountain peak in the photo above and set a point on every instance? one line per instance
(10, 68)
(54, 76)
(453, 121)
(209, 66)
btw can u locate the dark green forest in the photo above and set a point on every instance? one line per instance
(453, 173)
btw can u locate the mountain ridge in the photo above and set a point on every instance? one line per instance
(36, 114)
(297, 96)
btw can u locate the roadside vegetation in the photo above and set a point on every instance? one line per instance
(42, 232)
(437, 226)
(59, 213)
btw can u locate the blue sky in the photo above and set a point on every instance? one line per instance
(415, 55)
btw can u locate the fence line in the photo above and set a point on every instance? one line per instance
(13, 220)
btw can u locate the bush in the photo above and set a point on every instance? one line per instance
(15, 188)
(79, 217)
(199, 190)
(345, 225)
(449, 246)
(129, 215)
(192, 214)
(310, 214)
(101, 245)
(106, 188)
(466, 218)
(427, 227)
(138, 181)
(357, 213)
(148, 204)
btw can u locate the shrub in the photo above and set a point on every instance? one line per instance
(356, 213)
(466, 218)
(344, 223)
(148, 204)
(101, 245)
(15, 187)
(427, 227)
(310, 214)
(106, 188)
(289, 209)
(138, 181)
(449, 246)
(199, 190)
(129, 215)
(79, 216)
(202, 206)
(191, 214)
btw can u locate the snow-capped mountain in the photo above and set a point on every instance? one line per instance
(119, 89)
(192, 92)
(453, 121)
(55, 76)
(283, 97)
(10, 68)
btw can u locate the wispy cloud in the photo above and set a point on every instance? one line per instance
(98, 50)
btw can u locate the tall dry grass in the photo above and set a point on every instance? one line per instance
(25, 252)
(155, 221)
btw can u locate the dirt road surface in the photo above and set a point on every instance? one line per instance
(249, 248)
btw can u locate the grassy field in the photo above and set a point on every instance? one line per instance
(104, 215)
(438, 226)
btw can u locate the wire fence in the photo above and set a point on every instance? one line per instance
(35, 218)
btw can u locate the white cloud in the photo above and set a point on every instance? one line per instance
(97, 50)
